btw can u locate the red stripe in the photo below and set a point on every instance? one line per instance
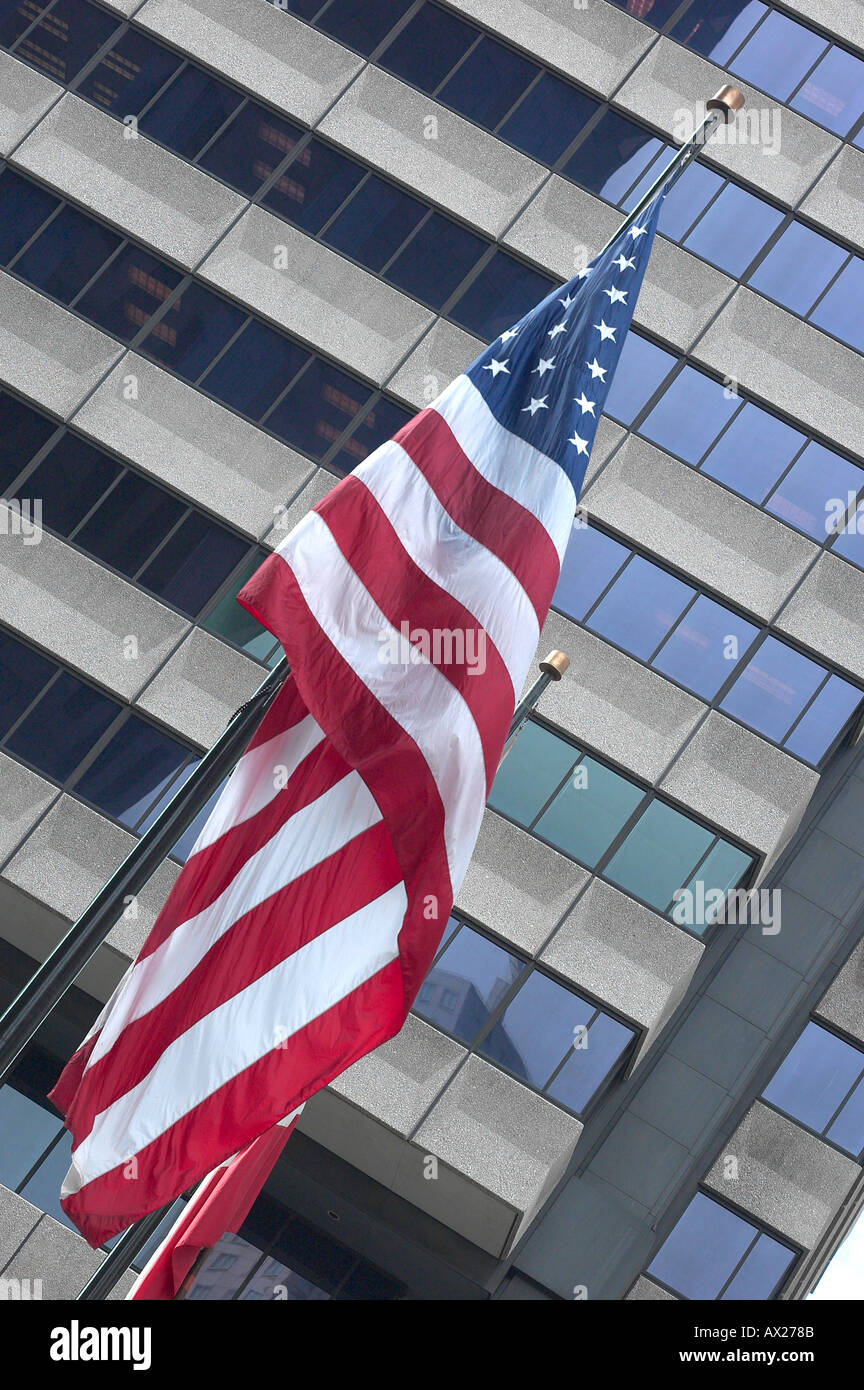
(243, 1108)
(483, 511)
(374, 551)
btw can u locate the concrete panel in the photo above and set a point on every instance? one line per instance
(84, 614)
(46, 353)
(399, 1081)
(800, 369)
(308, 497)
(667, 82)
(17, 1219)
(626, 956)
(59, 1257)
(645, 1291)
(24, 795)
(608, 437)
(25, 96)
(837, 201)
(826, 613)
(718, 1043)
(476, 176)
(563, 227)
(639, 1160)
(441, 355)
(198, 690)
(837, 16)
(260, 47)
(743, 784)
(206, 452)
(679, 1101)
(614, 704)
(786, 1177)
(516, 885)
(134, 184)
(321, 296)
(843, 818)
(843, 1003)
(596, 44)
(700, 527)
(756, 985)
(806, 932)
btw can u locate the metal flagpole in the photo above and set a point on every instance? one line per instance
(132, 1241)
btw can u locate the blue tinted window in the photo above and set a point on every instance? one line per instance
(587, 1067)
(186, 842)
(501, 293)
(762, 1270)
(705, 647)
(315, 184)
(66, 38)
(589, 811)
(66, 254)
(129, 75)
(641, 607)
(850, 541)
(778, 54)
(167, 795)
(716, 28)
(23, 433)
(436, 260)
(732, 231)
(63, 726)
(488, 83)
(773, 688)
(703, 1250)
(642, 367)
(615, 154)
(590, 562)
(548, 119)
(832, 709)
(190, 112)
(318, 408)
(688, 198)
(23, 673)
(798, 267)
(70, 480)
(537, 1029)
(814, 1079)
(255, 368)
(193, 563)
(655, 12)
(128, 292)
(466, 984)
(659, 855)
(28, 1129)
(848, 1128)
(689, 415)
(15, 17)
(248, 151)
(428, 47)
(527, 777)
(132, 520)
(24, 208)
(833, 94)
(817, 485)
(840, 311)
(43, 1188)
(195, 328)
(131, 771)
(751, 455)
(375, 223)
(362, 23)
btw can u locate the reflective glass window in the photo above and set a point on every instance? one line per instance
(63, 726)
(640, 608)
(23, 673)
(588, 1066)
(815, 1078)
(819, 726)
(833, 94)
(193, 563)
(773, 688)
(67, 254)
(798, 267)
(659, 855)
(716, 28)
(537, 1029)
(589, 811)
(466, 984)
(253, 371)
(23, 432)
(66, 38)
(362, 24)
(428, 47)
(314, 185)
(642, 366)
(501, 293)
(24, 208)
(250, 148)
(707, 1248)
(70, 480)
(591, 560)
(689, 415)
(839, 312)
(318, 408)
(705, 647)
(131, 521)
(615, 154)
(733, 230)
(373, 226)
(196, 327)
(190, 112)
(818, 485)
(130, 74)
(753, 452)
(548, 119)
(128, 292)
(527, 777)
(436, 260)
(488, 83)
(778, 54)
(131, 771)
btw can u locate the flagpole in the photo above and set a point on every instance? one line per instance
(118, 1260)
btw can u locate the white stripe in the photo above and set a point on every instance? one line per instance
(418, 696)
(305, 839)
(511, 464)
(253, 783)
(451, 558)
(240, 1032)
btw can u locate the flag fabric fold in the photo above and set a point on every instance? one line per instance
(409, 603)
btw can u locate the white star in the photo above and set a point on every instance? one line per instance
(546, 364)
(585, 404)
(636, 232)
(585, 272)
(623, 262)
(596, 370)
(581, 444)
(496, 367)
(507, 335)
(567, 301)
(605, 331)
(616, 296)
(559, 328)
(536, 405)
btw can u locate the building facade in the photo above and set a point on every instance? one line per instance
(243, 242)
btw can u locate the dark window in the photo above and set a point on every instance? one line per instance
(501, 293)
(193, 563)
(821, 1083)
(362, 23)
(710, 1246)
(23, 433)
(640, 608)
(733, 230)
(70, 480)
(132, 520)
(315, 184)
(128, 292)
(436, 260)
(716, 28)
(548, 119)
(190, 112)
(613, 156)
(66, 38)
(16, 16)
(249, 150)
(63, 726)
(24, 207)
(428, 47)
(689, 415)
(318, 408)
(833, 94)
(377, 426)
(67, 254)
(196, 327)
(778, 54)
(798, 267)
(132, 771)
(375, 223)
(488, 83)
(23, 673)
(256, 367)
(232, 622)
(129, 75)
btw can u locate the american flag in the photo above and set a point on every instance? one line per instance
(409, 603)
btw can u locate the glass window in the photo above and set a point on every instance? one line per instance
(817, 485)
(436, 260)
(589, 811)
(548, 119)
(132, 771)
(43, 1188)
(814, 1079)
(132, 520)
(196, 327)
(377, 426)
(588, 1066)
(848, 1128)
(778, 54)
(362, 23)
(830, 712)
(659, 855)
(688, 198)
(66, 38)
(689, 415)
(186, 842)
(128, 292)
(194, 563)
(501, 293)
(641, 368)
(724, 867)
(615, 154)
(733, 230)
(466, 984)
(707, 1248)
(654, 12)
(537, 1030)
(850, 540)
(257, 366)
(373, 226)
(591, 560)
(63, 726)
(130, 74)
(751, 455)
(798, 267)
(229, 620)
(170, 790)
(833, 94)
(248, 151)
(716, 28)
(314, 185)
(840, 311)
(23, 673)
(70, 480)
(705, 647)
(536, 764)
(16, 16)
(190, 112)
(23, 433)
(66, 254)
(764, 1267)
(488, 83)
(641, 607)
(428, 47)
(318, 408)
(27, 1129)
(25, 207)
(773, 688)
